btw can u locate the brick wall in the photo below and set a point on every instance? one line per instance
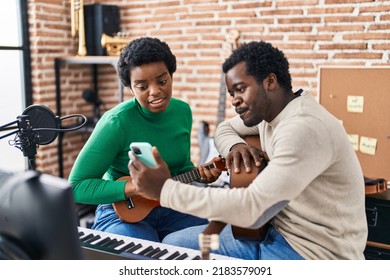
(311, 33)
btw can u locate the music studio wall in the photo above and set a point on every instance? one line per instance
(309, 33)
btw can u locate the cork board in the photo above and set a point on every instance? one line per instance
(360, 98)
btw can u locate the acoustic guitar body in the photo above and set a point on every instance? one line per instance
(243, 180)
(237, 180)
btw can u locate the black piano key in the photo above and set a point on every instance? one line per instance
(81, 233)
(146, 250)
(197, 258)
(111, 243)
(173, 256)
(136, 247)
(116, 244)
(160, 254)
(126, 247)
(182, 256)
(90, 240)
(86, 237)
(153, 252)
(103, 241)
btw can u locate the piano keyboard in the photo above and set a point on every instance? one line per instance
(103, 245)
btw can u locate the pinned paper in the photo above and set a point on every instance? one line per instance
(355, 104)
(368, 145)
(354, 139)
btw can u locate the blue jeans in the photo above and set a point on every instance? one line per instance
(159, 223)
(274, 246)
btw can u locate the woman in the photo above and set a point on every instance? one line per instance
(146, 66)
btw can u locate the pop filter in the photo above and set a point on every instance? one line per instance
(42, 118)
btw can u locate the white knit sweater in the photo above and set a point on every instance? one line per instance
(313, 185)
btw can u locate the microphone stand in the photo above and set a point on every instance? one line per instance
(4, 128)
(28, 145)
(26, 137)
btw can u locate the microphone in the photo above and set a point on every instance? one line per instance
(37, 125)
(26, 139)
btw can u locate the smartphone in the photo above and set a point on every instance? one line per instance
(143, 151)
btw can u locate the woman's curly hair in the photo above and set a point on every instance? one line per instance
(261, 59)
(143, 51)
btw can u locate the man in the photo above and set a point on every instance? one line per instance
(311, 192)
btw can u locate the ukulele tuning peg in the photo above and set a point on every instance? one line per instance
(214, 242)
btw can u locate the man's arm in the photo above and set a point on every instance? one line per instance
(148, 181)
(229, 141)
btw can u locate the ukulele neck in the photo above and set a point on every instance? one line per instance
(191, 175)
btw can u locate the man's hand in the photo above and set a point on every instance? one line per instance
(208, 175)
(148, 181)
(244, 154)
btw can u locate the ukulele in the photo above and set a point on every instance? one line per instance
(135, 208)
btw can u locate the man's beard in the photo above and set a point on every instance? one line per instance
(252, 121)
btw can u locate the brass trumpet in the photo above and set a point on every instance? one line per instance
(114, 44)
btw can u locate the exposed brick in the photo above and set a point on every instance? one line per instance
(306, 55)
(339, 28)
(330, 10)
(254, 5)
(381, 46)
(374, 9)
(192, 2)
(349, 19)
(309, 37)
(311, 33)
(213, 23)
(327, 2)
(171, 11)
(254, 21)
(356, 55)
(384, 27)
(350, 46)
(367, 36)
(281, 12)
(240, 14)
(291, 29)
(162, 4)
(299, 20)
(160, 18)
(298, 3)
(214, 7)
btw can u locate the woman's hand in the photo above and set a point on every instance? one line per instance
(211, 174)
